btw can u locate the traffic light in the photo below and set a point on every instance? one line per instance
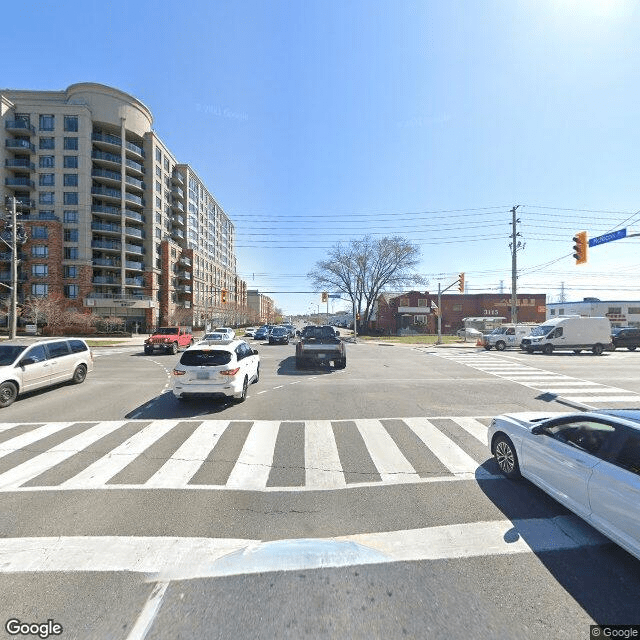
(223, 295)
(461, 282)
(357, 316)
(325, 296)
(580, 247)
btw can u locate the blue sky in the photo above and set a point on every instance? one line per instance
(316, 121)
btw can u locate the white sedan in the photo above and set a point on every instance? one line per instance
(590, 462)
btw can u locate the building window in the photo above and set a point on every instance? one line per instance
(47, 162)
(71, 272)
(158, 171)
(46, 180)
(39, 233)
(159, 218)
(71, 235)
(158, 155)
(47, 122)
(615, 310)
(158, 233)
(70, 197)
(423, 302)
(633, 310)
(71, 253)
(40, 290)
(70, 179)
(71, 123)
(158, 187)
(46, 197)
(70, 216)
(552, 312)
(46, 214)
(71, 144)
(47, 143)
(419, 319)
(71, 290)
(39, 270)
(71, 162)
(166, 164)
(404, 302)
(158, 202)
(39, 251)
(456, 307)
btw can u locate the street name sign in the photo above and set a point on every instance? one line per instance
(608, 237)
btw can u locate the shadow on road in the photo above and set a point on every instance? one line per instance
(602, 578)
(167, 406)
(287, 367)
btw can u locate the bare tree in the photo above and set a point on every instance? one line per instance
(53, 309)
(363, 269)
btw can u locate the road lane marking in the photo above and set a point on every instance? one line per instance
(323, 469)
(103, 469)
(253, 466)
(185, 462)
(149, 612)
(174, 558)
(27, 439)
(473, 427)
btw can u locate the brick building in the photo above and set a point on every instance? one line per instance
(414, 311)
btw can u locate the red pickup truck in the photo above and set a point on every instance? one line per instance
(168, 339)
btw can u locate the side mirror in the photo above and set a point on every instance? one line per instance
(337, 333)
(537, 430)
(25, 361)
(255, 352)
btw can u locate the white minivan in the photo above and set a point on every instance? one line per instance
(570, 333)
(508, 335)
(27, 365)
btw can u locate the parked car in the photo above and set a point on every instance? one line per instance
(508, 335)
(168, 340)
(215, 336)
(216, 370)
(590, 462)
(291, 329)
(279, 335)
(628, 337)
(250, 331)
(469, 333)
(26, 365)
(569, 333)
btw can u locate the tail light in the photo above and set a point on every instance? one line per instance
(230, 372)
(178, 372)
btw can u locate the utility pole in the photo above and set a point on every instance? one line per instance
(515, 245)
(14, 270)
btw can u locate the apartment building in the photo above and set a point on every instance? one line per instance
(115, 223)
(262, 307)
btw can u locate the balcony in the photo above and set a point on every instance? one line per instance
(138, 150)
(129, 197)
(109, 228)
(134, 248)
(25, 203)
(184, 288)
(135, 183)
(24, 146)
(109, 245)
(113, 211)
(104, 175)
(105, 192)
(184, 275)
(137, 266)
(185, 261)
(177, 191)
(177, 205)
(177, 178)
(19, 183)
(106, 158)
(179, 220)
(19, 164)
(20, 126)
(133, 215)
(134, 282)
(134, 231)
(107, 140)
(106, 262)
(177, 234)
(136, 166)
(105, 280)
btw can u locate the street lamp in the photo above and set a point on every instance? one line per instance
(17, 235)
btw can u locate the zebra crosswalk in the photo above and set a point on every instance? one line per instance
(260, 455)
(570, 388)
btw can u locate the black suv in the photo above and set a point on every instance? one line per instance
(626, 337)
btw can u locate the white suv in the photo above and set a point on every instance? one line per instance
(26, 365)
(222, 368)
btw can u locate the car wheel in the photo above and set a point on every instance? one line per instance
(547, 349)
(630, 348)
(529, 350)
(487, 347)
(148, 351)
(577, 351)
(174, 348)
(257, 374)
(597, 349)
(8, 393)
(245, 387)
(500, 345)
(506, 457)
(341, 363)
(79, 374)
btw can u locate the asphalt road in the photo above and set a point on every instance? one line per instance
(337, 504)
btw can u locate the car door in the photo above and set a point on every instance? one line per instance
(559, 460)
(246, 360)
(614, 490)
(61, 361)
(35, 372)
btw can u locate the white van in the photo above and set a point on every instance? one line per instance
(508, 335)
(570, 332)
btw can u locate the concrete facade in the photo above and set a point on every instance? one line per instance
(130, 230)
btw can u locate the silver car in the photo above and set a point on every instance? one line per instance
(590, 462)
(27, 365)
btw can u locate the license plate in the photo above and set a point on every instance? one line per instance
(202, 375)
(321, 355)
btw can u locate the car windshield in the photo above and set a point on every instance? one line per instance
(279, 331)
(542, 330)
(215, 336)
(167, 331)
(205, 358)
(9, 353)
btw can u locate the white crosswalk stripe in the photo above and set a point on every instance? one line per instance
(572, 389)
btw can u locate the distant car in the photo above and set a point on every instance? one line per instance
(469, 333)
(228, 330)
(590, 462)
(291, 329)
(250, 331)
(628, 337)
(216, 370)
(215, 336)
(261, 334)
(26, 365)
(279, 335)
